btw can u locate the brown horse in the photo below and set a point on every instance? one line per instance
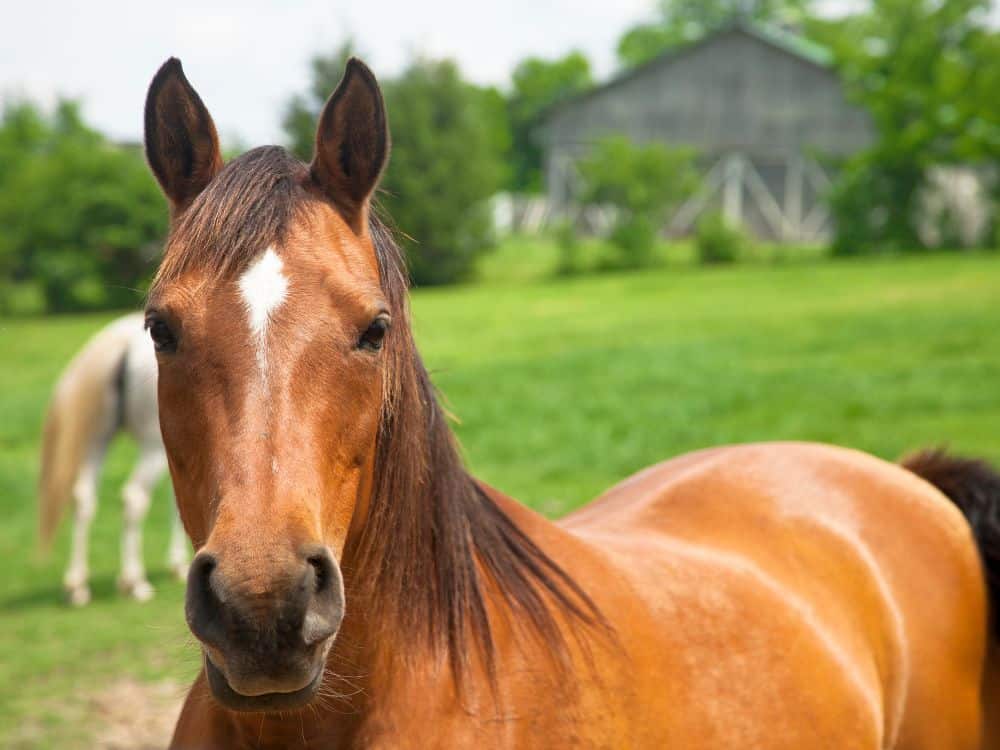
(355, 587)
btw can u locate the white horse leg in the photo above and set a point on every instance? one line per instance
(85, 498)
(137, 495)
(177, 553)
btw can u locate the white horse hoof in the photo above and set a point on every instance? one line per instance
(78, 596)
(140, 591)
(143, 591)
(180, 571)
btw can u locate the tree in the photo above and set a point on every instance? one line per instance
(537, 85)
(82, 217)
(643, 183)
(681, 21)
(448, 159)
(927, 72)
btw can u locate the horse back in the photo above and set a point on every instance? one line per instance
(790, 595)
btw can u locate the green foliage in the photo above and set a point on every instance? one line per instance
(927, 71)
(538, 84)
(449, 139)
(716, 241)
(874, 205)
(642, 183)
(637, 178)
(568, 242)
(634, 235)
(447, 161)
(681, 21)
(647, 41)
(82, 217)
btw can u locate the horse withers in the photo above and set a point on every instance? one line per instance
(355, 587)
(108, 387)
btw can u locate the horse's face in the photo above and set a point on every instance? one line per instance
(270, 390)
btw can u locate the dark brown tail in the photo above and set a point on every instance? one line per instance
(974, 486)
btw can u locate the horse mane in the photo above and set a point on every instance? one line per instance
(434, 541)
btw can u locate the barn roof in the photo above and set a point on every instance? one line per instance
(790, 43)
(794, 44)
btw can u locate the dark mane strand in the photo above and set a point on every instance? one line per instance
(434, 541)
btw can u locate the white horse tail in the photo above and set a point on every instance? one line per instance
(83, 415)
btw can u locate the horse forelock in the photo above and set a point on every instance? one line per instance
(249, 206)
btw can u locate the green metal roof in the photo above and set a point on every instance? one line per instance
(790, 42)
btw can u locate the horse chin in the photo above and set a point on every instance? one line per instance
(265, 702)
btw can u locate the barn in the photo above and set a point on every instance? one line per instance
(763, 108)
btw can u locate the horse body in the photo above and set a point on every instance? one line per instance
(786, 615)
(109, 387)
(355, 587)
(789, 582)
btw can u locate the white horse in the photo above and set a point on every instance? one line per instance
(110, 386)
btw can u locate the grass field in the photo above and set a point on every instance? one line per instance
(562, 388)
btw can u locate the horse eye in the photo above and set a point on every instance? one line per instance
(371, 339)
(163, 338)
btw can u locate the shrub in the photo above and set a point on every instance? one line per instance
(635, 238)
(568, 242)
(643, 183)
(716, 241)
(82, 217)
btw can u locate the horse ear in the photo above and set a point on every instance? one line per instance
(182, 147)
(352, 144)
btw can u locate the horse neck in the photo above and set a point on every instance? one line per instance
(382, 676)
(388, 679)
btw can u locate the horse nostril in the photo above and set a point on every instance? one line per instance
(203, 564)
(322, 565)
(325, 603)
(200, 572)
(201, 603)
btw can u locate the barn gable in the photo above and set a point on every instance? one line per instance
(758, 105)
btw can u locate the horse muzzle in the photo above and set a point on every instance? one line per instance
(265, 639)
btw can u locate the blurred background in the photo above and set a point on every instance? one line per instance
(635, 229)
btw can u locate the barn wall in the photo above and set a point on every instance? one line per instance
(732, 92)
(748, 107)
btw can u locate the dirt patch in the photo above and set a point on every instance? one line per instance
(133, 715)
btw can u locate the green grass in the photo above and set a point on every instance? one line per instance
(562, 387)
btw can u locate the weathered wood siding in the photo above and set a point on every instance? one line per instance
(759, 114)
(732, 92)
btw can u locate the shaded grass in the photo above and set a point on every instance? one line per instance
(521, 258)
(563, 388)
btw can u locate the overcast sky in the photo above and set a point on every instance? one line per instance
(246, 57)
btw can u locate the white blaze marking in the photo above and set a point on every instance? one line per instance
(264, 288)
